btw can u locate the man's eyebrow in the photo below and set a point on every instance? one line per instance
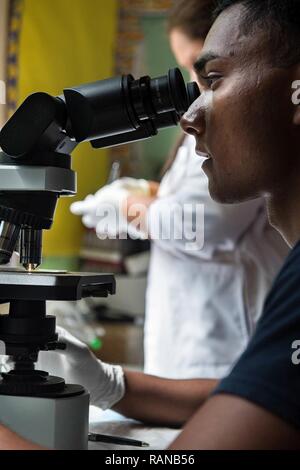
(200, 64)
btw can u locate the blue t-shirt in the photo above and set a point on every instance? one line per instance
(267, 373)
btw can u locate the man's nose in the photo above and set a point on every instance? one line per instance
(193, 122)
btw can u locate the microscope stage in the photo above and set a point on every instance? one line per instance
(17, 284)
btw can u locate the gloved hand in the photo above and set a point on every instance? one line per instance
(103, 210)
(78, 365)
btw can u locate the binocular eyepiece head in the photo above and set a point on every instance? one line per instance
(122, 110)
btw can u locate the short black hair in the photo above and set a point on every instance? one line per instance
(281, 18)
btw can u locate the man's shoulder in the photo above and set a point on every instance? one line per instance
(266, 373)
(292, 262)
(283, 300)
(288, 278)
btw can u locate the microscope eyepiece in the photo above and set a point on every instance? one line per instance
(118, 110)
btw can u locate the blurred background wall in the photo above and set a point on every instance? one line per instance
(143, 48)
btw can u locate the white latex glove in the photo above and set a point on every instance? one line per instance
(103, 210)
(78, 365)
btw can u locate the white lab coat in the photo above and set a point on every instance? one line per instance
(202, 306)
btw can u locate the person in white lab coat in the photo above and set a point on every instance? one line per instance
(201, 304)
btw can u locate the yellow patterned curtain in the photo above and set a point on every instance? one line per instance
(13, 41)
(4, 20)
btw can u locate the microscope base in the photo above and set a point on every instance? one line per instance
(56, 423)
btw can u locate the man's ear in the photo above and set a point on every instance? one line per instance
(296, 97)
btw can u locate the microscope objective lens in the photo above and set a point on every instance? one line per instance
(31, 248)
(30, 267)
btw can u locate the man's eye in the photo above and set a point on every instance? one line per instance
(210, 79)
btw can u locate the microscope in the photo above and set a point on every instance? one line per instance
(35, 171)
